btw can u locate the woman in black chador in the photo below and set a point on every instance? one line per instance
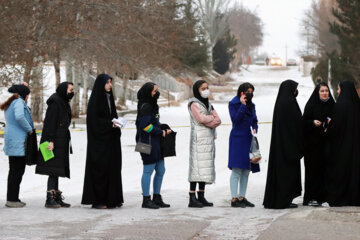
(283, 182)
(316, 116)
(102, 184)
(343, 166)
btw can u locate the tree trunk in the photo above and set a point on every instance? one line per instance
(57, 70)
(75, 103)
(69, 72)
(84, 100)
(37, 95)
(28, 67)
(122, 98)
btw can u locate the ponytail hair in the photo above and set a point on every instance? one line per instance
(4, 106)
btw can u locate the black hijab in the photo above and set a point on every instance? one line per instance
(61, 90)
(22, 90)
(343, 168)
(320, 109)
(144, 96)
(98, 107)
(197, 94)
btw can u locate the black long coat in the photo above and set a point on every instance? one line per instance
(315, 146)
(102, 183)
(56, 130)
(283, 181)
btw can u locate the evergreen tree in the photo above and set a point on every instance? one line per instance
(346, 66)
(193, 51)
(223, 52)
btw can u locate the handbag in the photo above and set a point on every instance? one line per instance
(167, 144)
(31, 149)
(143, 147)
(254, 155)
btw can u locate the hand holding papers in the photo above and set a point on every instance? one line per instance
(119, 122)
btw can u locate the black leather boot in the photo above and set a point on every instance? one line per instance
(147, 203)
(157, 199)
(203, 200)
(193, 202)
(59, 199)
(50, 200)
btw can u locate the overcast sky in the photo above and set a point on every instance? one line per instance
(282, 19)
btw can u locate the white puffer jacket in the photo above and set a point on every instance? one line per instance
(202, 147)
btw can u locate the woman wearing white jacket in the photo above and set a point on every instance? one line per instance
(204, 120)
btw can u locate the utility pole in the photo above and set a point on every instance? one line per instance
(286, 55)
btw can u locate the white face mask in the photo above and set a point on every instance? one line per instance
(205, 93)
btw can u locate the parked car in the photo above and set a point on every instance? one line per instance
(291, 62)
(275, 61)
(259, 61)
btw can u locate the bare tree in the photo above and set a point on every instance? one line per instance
(213, 20)
(247, 28)
(115, 36)
(316, 28)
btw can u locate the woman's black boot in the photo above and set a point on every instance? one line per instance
(50, 200)
(203, 200)
(59, 199)
(157, 199)
(193, 202)
(147, 203)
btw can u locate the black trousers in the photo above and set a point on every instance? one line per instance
(193, 186)
(53, 183)
(16, 172)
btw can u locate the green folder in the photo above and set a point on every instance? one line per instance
(47, 155)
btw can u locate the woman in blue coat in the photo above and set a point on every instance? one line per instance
(19, 124)
(243, 116)
(149, 131)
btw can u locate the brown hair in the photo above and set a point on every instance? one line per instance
(4, 106)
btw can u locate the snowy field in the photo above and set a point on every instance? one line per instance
(177, 222)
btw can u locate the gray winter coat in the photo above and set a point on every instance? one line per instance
(202, 147)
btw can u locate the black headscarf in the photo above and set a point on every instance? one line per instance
(283, 182)
(61, 90)
(320, 108)
(242, 89)
(144, 96)
(22, 90)
(343, 167)
(98, 106)
(197, 94)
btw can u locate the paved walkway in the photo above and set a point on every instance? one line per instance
(342, 223)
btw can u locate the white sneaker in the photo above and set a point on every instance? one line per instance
(11, 204)
(325, 204)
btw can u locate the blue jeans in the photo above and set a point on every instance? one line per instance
(159, 168)
(241, 176)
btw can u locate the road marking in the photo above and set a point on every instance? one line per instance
(185, 126)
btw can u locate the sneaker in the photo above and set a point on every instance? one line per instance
(325, 204)
(313, 203)
(248, 204)
(292, 205)
(23, 203)
(11, 204)
(238, 204)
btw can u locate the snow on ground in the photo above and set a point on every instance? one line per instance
(177, 222)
